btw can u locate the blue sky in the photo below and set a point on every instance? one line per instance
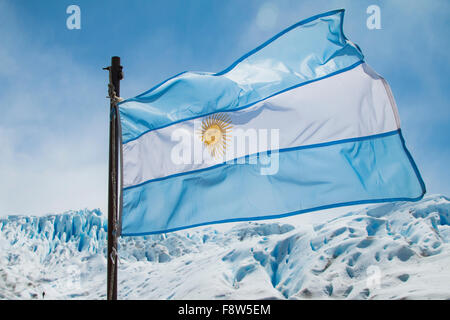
(54, 123)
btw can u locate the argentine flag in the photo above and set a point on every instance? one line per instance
(301, 123)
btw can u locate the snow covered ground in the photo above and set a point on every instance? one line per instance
(390, 251)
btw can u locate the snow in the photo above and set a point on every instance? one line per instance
(396, 250)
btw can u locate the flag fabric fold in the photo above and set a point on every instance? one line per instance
(299, 124)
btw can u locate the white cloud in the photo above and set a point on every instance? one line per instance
(54, 127)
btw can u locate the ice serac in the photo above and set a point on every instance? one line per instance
(81, 230)
(392, 251)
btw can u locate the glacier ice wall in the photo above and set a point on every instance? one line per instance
(394, 250)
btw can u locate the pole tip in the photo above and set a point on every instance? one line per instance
(115, 60)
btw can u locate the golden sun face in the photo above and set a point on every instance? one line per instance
(215, 133)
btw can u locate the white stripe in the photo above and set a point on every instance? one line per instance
(352, 104)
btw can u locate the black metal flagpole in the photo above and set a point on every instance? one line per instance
(115, 75)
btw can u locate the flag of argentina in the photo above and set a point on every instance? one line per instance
(301, 123)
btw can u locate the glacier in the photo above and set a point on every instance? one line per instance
(396, 250)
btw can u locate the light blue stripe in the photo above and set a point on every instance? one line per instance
(310, 50)
(246, 158)
(367, 171)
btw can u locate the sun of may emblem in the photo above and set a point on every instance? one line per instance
(215, 133)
